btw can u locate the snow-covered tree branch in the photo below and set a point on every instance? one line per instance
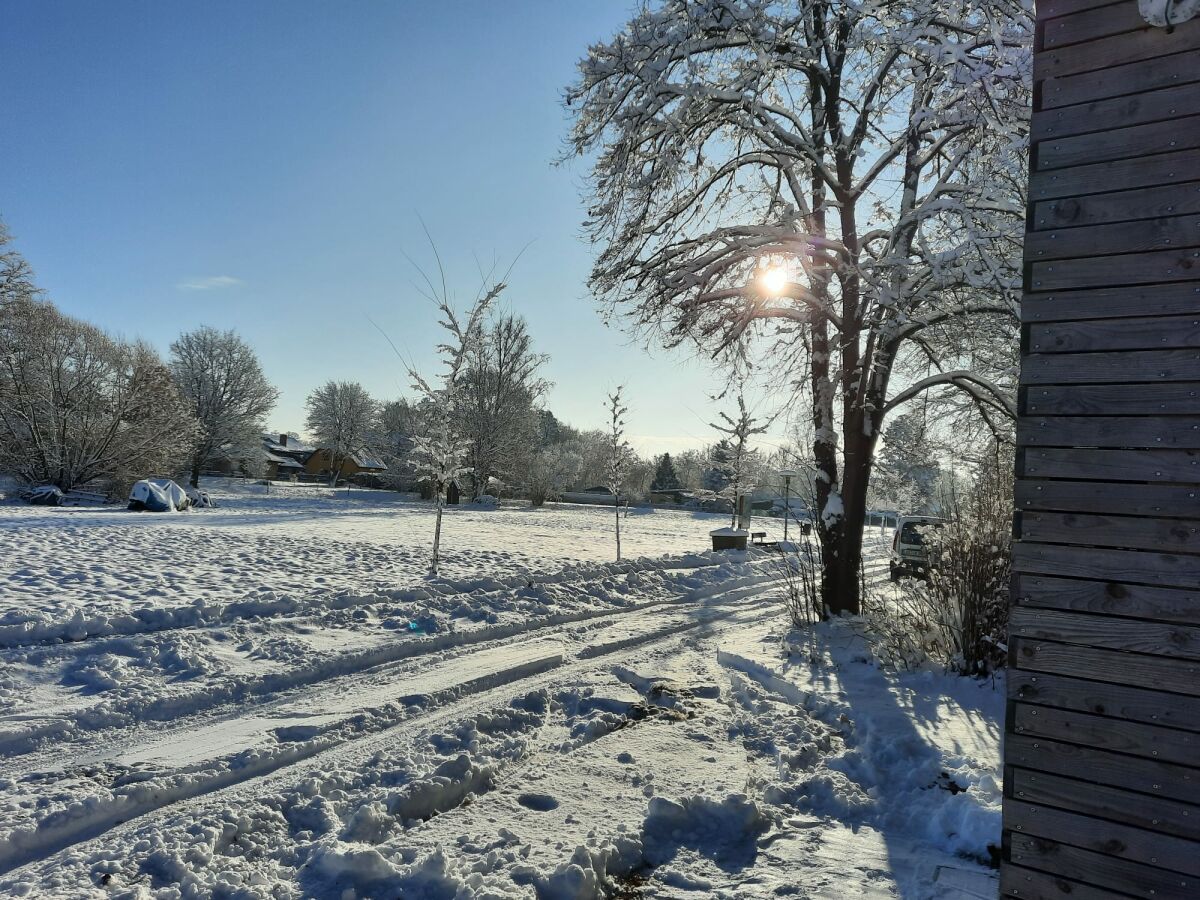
(843, 180)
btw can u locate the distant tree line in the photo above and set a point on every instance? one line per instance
(79, 406)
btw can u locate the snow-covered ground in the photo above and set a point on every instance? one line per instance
(269, 699)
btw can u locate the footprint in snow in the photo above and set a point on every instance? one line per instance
(538, 802)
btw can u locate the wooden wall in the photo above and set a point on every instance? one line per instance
(1102, 750)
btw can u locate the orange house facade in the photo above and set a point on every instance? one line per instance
(321, 463)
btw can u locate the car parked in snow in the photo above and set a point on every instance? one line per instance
(910, 551)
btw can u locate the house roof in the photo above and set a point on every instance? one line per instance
(363, 461)
(294, 445)
(284, 462)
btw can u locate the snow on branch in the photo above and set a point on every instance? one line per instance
(978, 387)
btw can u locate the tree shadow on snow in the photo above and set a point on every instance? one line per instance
(723, 831)
(894, 760)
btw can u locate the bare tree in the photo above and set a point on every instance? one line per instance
(219, 376)
(743, 460)
(690, 466)
(907, 468)
(845, 178)
(16, 277)
(342, 419)
(399, 423)
(500, 387)
(554, 469)
(619, 454)
(441, 450)
(77, 405)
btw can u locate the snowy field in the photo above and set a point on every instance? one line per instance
(269, 699)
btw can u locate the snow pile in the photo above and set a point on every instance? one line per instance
(590, 871)
(364, 872)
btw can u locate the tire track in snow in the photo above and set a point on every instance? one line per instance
(27, 846)
(160, 709)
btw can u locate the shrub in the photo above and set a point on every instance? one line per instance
(959, 616)
(79, 406)
(800, 574)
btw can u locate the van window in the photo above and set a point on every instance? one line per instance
(913, 532)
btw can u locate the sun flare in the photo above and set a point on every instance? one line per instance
(773, 280)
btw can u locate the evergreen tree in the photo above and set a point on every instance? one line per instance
(665, 476)
(720, 466)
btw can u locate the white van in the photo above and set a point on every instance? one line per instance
(910, 555)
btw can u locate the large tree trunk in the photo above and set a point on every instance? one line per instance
(840, 560)
(841, 548)
(195, 479)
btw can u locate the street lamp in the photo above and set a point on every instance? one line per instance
(788, 475)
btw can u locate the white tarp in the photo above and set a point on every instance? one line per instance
(158, 495)
(200, 499)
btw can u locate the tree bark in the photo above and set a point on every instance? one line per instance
(617, 511)
(439, 495)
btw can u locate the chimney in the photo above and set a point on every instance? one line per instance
(283, 440)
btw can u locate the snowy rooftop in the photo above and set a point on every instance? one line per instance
(294, 444)
(284, 461)
(366, 461)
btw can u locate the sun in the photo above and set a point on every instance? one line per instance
(774, 280)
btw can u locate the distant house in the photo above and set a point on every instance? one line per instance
(320, 463)
(278, 456)
(279, 468)
(284, 456)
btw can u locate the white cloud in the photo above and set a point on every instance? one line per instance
(212, 283)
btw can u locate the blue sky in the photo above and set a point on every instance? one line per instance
(264, 166)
